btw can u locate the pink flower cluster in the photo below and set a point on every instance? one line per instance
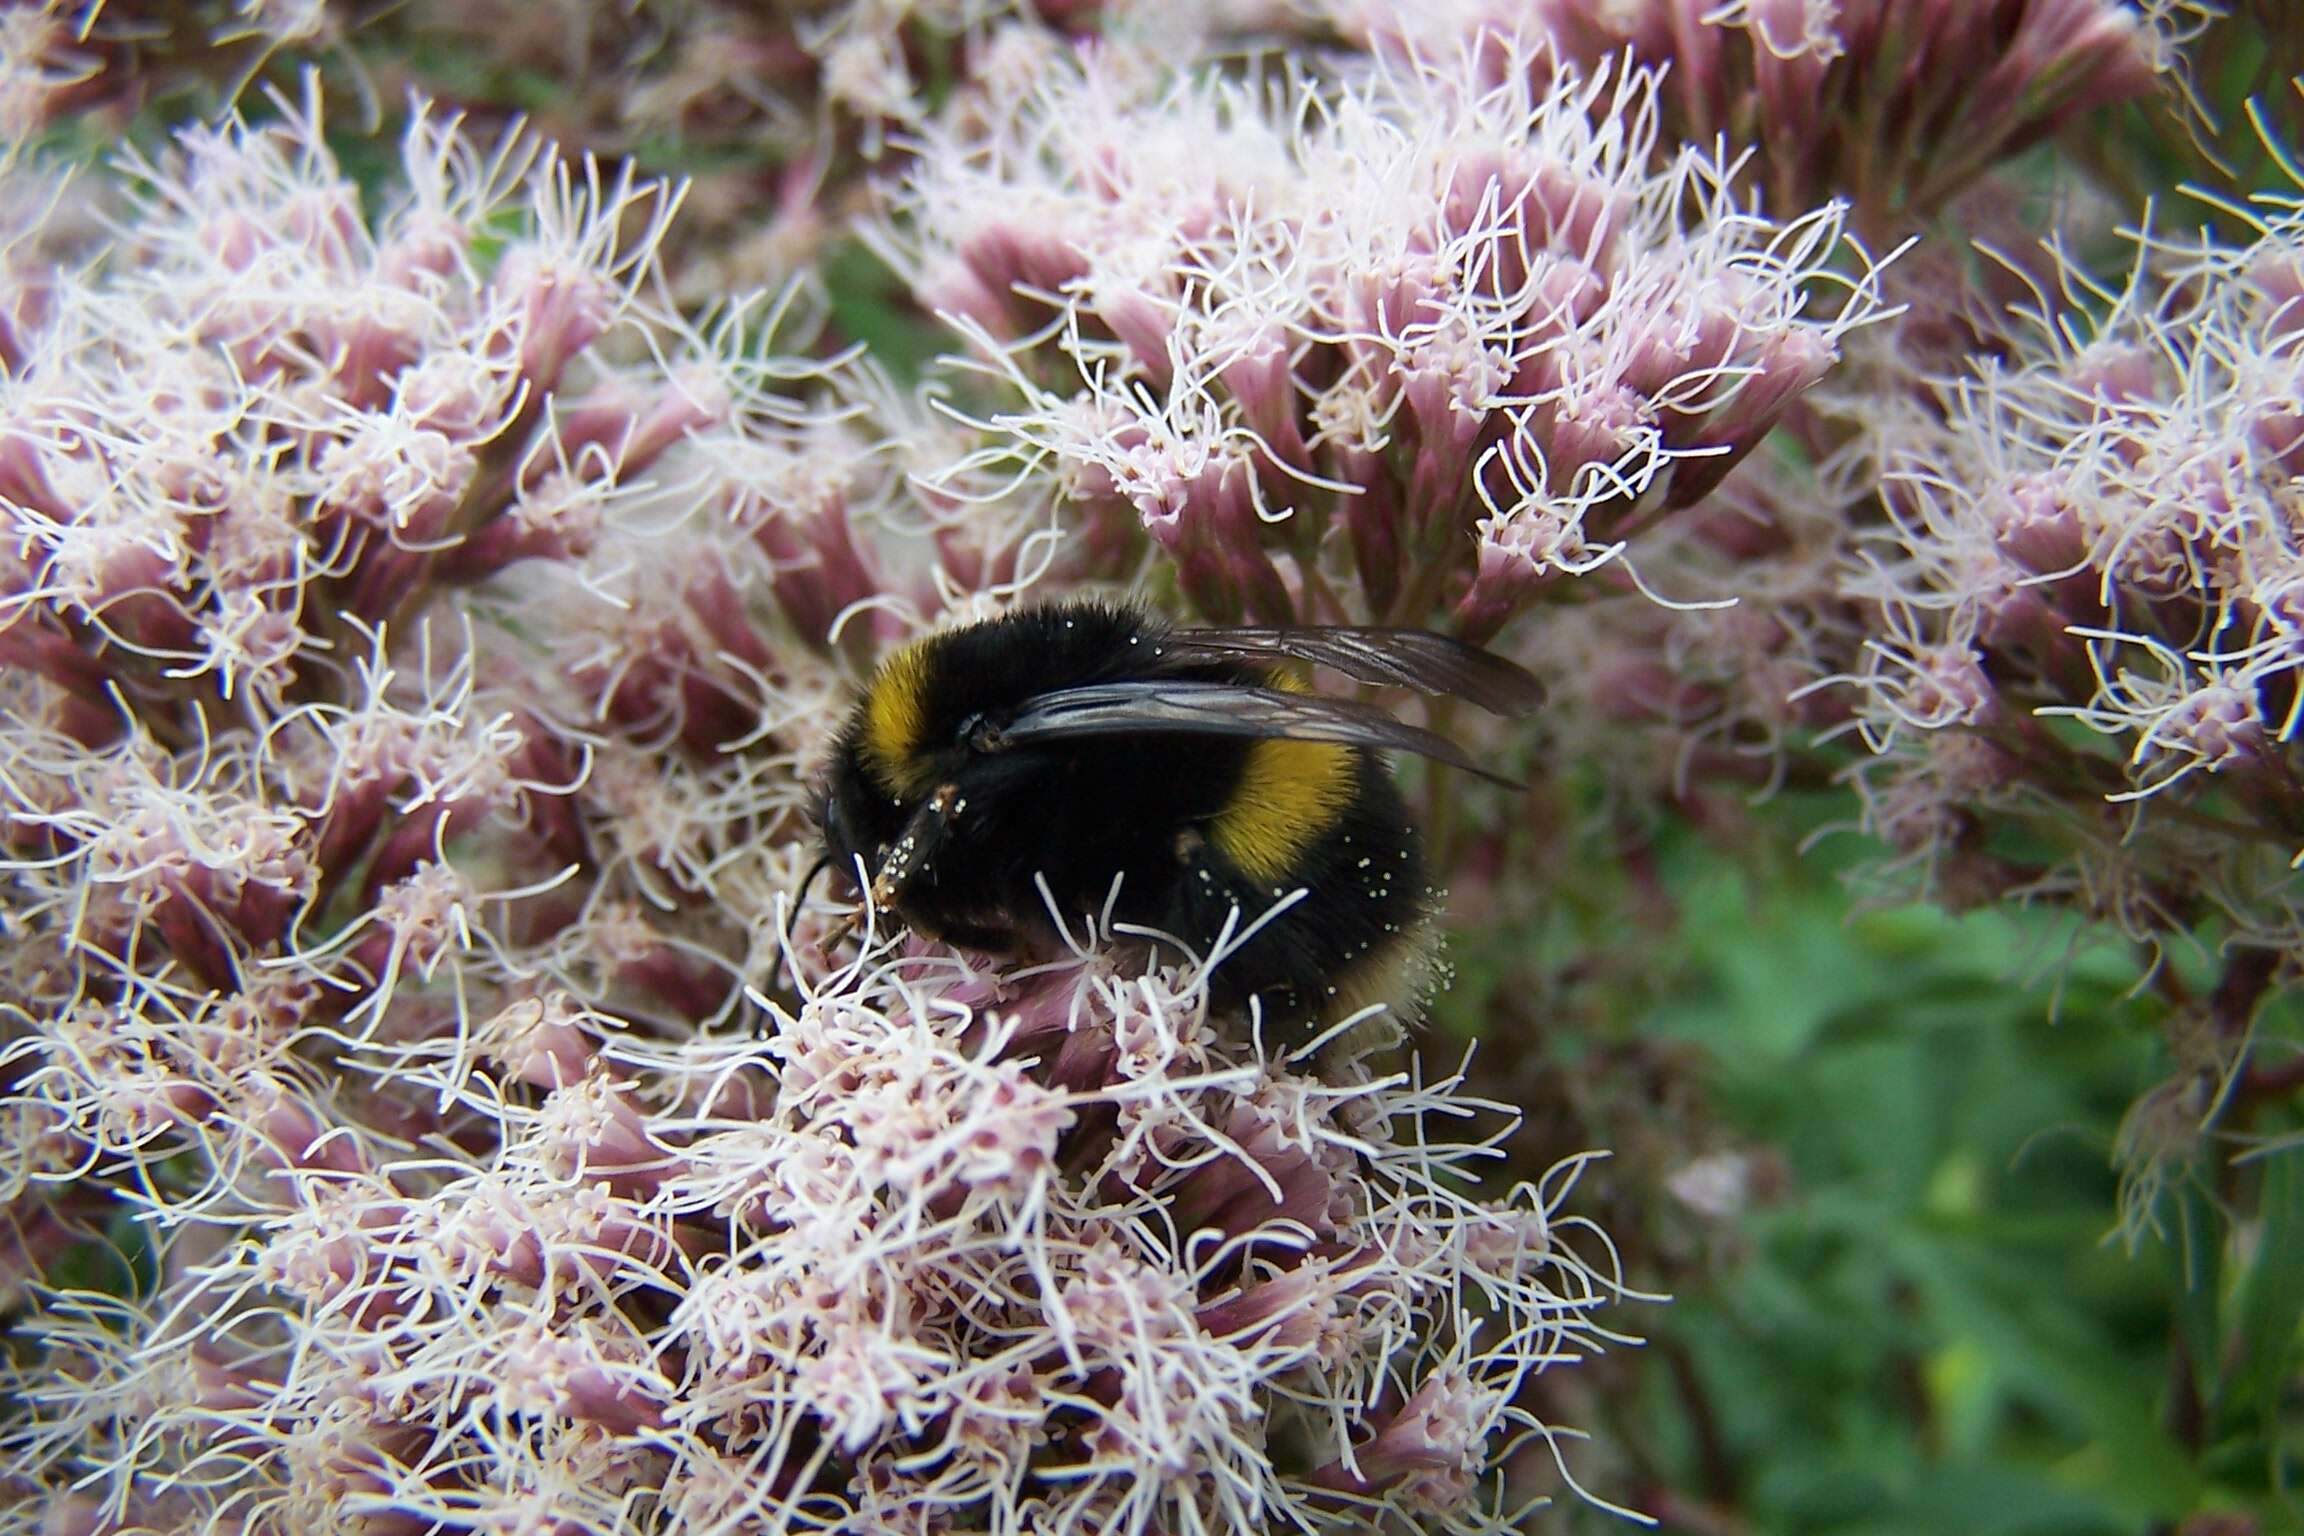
(1895, 105)
(416, 642)
(1042, 1253)
(2085, 599)
(1421, 338)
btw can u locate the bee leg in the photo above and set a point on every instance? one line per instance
(922, 837)
(840, 932)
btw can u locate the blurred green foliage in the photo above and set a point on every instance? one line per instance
(1924, 1321)
(868, 304)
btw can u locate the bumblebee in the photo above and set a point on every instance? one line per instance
(996, 778)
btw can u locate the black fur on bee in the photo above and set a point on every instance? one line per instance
(1076, 742)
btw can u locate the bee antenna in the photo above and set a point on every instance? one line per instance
(799, 902)
(808, 881)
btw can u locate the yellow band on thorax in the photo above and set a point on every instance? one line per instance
(896, 718)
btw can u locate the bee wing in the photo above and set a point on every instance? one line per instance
(1227, 709)
(1404, 658)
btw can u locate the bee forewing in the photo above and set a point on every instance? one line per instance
(1228, 709)
(1403, 658)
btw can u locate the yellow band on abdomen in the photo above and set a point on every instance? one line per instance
(1290, 793)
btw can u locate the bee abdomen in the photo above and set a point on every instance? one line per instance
(1289, 796)
(1361, 933)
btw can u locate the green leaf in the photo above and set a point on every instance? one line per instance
(2270, 1300)
(869, 304)
(2196, 1261)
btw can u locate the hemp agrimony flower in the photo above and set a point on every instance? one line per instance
(1432, 335)
(417, 641)
(1894, 105)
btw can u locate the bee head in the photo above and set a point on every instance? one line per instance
(844, 816)
(933, 716)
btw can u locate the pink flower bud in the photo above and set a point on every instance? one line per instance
(325, 220)
(558, 516)
(465, 396)
(571, 1376)
(1259, 372)
(1372, 523)
(1144, 321)
(2035, 522)
(1519, 553)
(421, 920)
(1592, 423)
(234, 239)
(1450, 381)
(1432, 1444)
(1013, 1132)
(295, 1133)
(1292, 1310)
(1948, 686)
(1914, 816)
(2213, 727)
(427, 248)
(1006, 252)
(1791, 362)
(949, 285)
(1275, 1179)
(598, 1136)
(2276, 426)
(558, 307)
(538, 1041)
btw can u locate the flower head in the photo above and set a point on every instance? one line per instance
(420, 645)
(1465, 315)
